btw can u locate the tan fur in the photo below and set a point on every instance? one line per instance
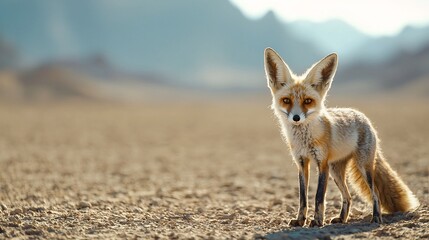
(336, 139)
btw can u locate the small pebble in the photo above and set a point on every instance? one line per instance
(276, 201)
(16, 211)
(83, 205)
(245, 220)
(137, 210)
(28, 226)
(356, 211)
(289, 209)
(36, 209)
(227, 216)
(3, 207)
(34, 232)
(14, 219)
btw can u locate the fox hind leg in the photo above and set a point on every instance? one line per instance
(338, 173)
(367, 169)
(376, 212)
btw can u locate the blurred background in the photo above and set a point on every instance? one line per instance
(143, 50)
(144, 119)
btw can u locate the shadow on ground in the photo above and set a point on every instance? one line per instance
(354, 227)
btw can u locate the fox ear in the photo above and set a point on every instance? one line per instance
(276, 70)
(321, 74)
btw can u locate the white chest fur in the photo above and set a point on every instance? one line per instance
(303, 140)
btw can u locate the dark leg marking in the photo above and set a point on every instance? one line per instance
(303, 183)
(319, 215)
(321, 188)
(376, 214)
(302, 193)
(345, 210)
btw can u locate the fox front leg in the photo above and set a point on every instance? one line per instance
(319, 212)
(303, 167)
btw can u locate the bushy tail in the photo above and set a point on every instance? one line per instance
(394, 195)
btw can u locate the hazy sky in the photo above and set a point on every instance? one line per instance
(376, 17)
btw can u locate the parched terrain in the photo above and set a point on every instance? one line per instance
(211, 170)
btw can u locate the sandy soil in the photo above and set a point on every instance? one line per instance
(214, 170)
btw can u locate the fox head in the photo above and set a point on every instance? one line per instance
(298, 99)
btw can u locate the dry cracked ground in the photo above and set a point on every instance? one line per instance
(185, 170)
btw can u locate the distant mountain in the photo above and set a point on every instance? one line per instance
(330, 36)
(382, 49)
(8, 55)
(403, 70)
(190, 42)
(89, 79)
(354, 46)
(46, 83)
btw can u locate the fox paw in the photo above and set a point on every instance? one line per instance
(297, 222)
(316, 223)
(376, 219)
(337, 220)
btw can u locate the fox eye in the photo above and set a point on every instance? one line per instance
(308, 101)
(286, 100)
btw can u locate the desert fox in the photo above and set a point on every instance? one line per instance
(339, 141)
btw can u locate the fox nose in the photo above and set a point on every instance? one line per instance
(296, 118)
